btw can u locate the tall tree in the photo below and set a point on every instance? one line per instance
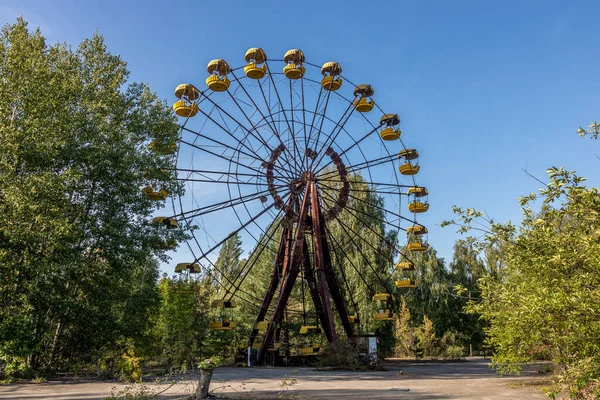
(228, 261)
(547, 300)
(78, 265)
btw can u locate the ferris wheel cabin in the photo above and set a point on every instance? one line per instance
(255, 69)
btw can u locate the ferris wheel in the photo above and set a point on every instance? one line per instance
(277, 150)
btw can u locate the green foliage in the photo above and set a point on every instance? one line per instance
(343, 355)
(593, 130)
(426, 337)
(546, 303)
(121, 362)
(181, 328)
(209, 363)
(77, 267)
(132, 392)
(403, 332)
(228, 262)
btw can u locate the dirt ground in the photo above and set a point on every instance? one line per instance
(472, 379)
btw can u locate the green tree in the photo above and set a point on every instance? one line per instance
(228, 261)
(78, 267)
(181, 329)
(546, 303)
(403, 331)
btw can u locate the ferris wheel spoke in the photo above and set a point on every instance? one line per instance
(304, 121)
(220, 126)
(396, 185)
(354, 211)
(288, 155)
(243, 226)
(272, 128)
(274, 86)
(414, 221)
(358, 167)
(322, 114)
(351, 147)
(245, 270)
(293, 131)
(226, 130)
(312, 123)
(370, 190)
(327, 143)
(237, 150)
(204, 149)
(347, 231)
(221, 173)
(338, 246)
(228, 203)
(256, 240)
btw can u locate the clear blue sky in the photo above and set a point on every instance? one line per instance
(484, 89)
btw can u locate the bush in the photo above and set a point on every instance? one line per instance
(454, 352)
(343, 355)
(132, 392)
(452, 345)
(121, 363)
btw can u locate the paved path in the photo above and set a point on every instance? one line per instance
(464, 380)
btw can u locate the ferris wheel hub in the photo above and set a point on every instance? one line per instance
(307, 176)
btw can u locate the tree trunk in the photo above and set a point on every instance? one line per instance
(203, 384)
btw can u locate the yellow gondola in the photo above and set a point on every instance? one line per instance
(149, 192)
(184, 109)
(187, 91)
(364, 103)
(384, 315)
(409, 169)
(405, 266)
(418, 199)
(217, 80)
(294, 59)
(185, 106)
(193, 268)
(354, 319)
(418, 207)
(331, 80)
(169, 244)
(306, 329)
(309, 351)
(406, 283)
(162, 148)
(262, 325)
(416, 230)
(389, 133)
(409, 154)
(222, 303)
(417, 245)
(383, 297)
(417, 191)
(170, 223)
(275, 347)
(224, 324)
(255, 57)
